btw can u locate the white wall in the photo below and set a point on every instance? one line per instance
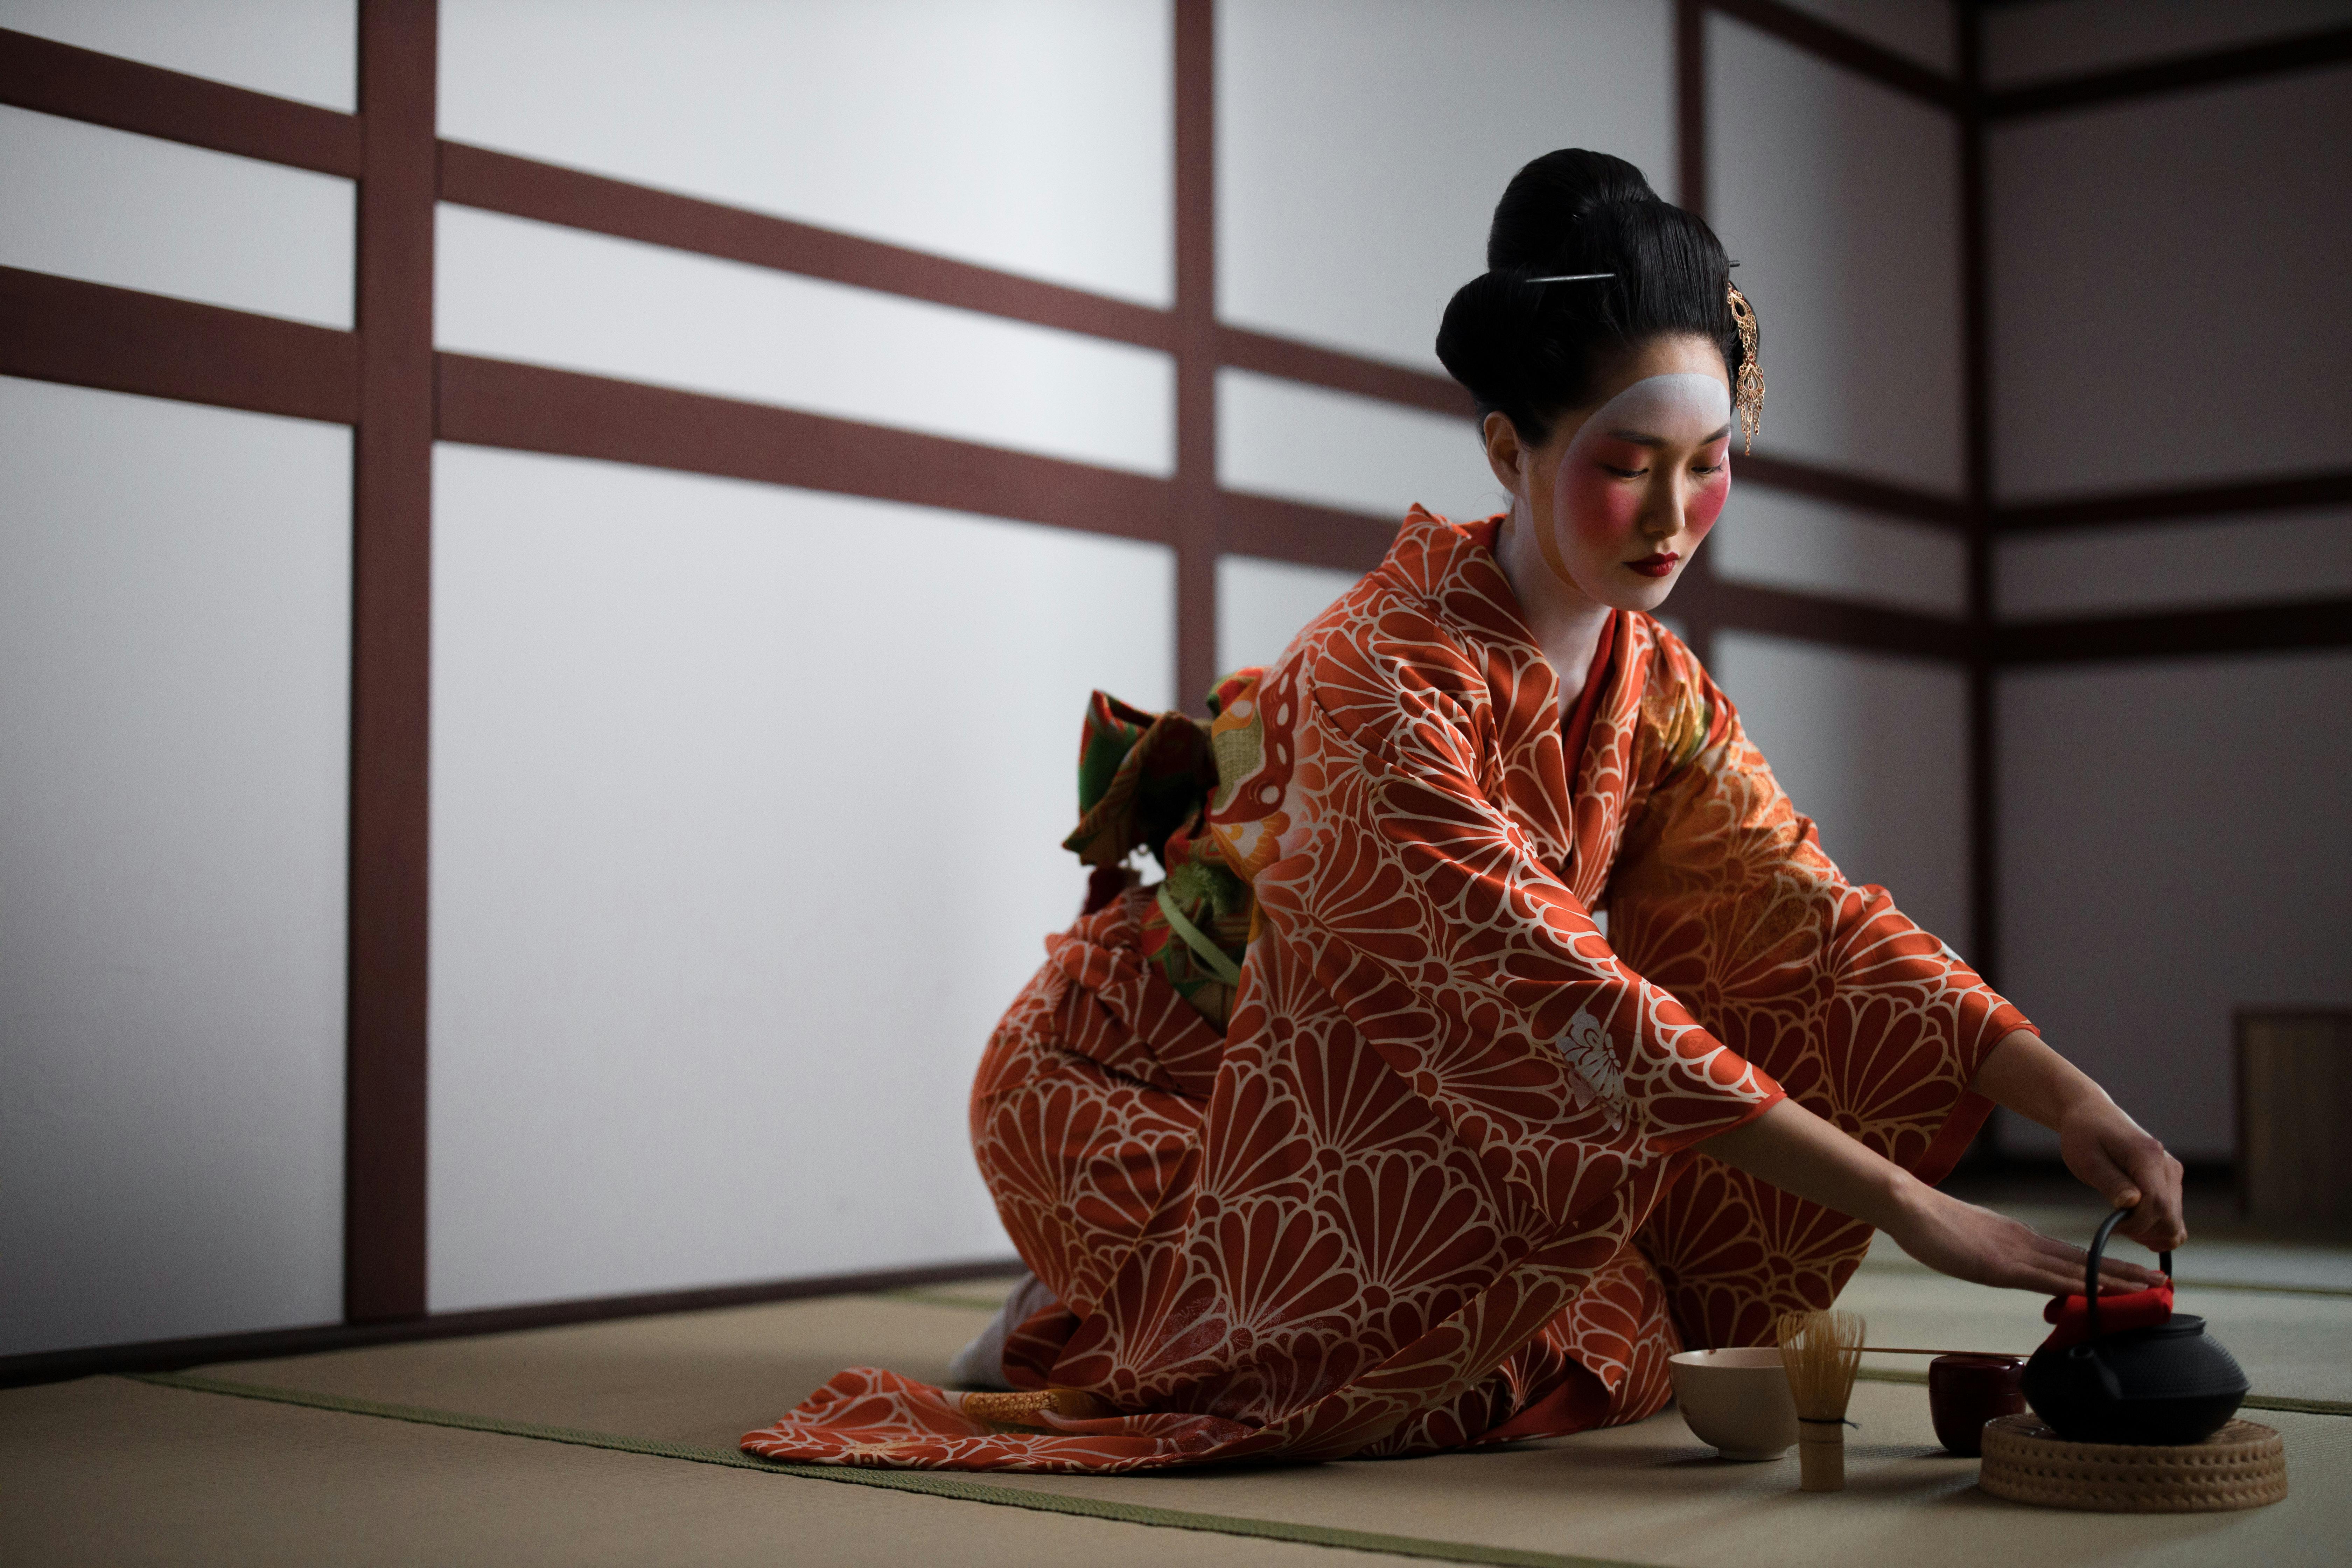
(137, 212)
(513, 289)
(1031, 135)
(1781, 540)
(306, 49)
(1262, 605)
(2038, 40)
(1871, 748)
(174, 675)
(2169, 299)
(747, 807)
(1361, 146)
(2204, 562)
(1925, 30)
(2168, 310)
(1840, 199)
(2173, 846)
(1306, 443)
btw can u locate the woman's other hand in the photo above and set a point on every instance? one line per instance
(2106, 1150)
(1988, 1248)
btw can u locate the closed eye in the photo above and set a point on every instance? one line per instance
(1625, 473)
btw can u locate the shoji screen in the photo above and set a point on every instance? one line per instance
(2173, 834)
(748, 800)
(1360, 150)
(176, 585)
(1838, 197)
(174, 675)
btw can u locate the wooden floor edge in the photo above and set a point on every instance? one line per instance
(270, 1344)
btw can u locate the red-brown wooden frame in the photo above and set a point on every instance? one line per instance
(385, 380)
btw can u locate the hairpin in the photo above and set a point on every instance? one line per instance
(1748, 395)
(1572, 278)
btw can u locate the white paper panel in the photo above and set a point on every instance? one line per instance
(1308, 443)
(1840, 198)
(1924, 30)
(174, 672)
(139, 213)
(2222, 561)
(1786, 541)
(292, 49)
(1874, 751)
(747, 807)
(518, 289)
(2169, 288)
(1262, 605)
(1362, 144)
(2173, 842)
(2045, 39)
(1033, 135)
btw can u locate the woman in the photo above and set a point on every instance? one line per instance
(1357, 1135)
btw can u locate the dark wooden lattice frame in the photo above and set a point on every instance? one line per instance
(386, 382)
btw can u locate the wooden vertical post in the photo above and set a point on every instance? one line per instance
(1694, 600)
(1976, 383)
(384, 1086)
(1198, 524)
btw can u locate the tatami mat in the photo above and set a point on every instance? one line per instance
(117, 1471)
(112, 1472)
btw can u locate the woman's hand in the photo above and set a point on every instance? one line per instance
(1987, 1248)
(2105, 1149)
(2110, 1152)
(1799, 1153)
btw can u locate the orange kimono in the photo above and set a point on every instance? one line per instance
(1431, 1185)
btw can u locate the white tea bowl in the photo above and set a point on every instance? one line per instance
(1737, 1400)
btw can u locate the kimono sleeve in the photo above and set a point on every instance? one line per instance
(1723, 895)
(1410, 899)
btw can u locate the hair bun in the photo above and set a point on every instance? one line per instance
(1535, 227)
(1530, 350)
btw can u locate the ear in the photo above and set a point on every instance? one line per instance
(1505, 454)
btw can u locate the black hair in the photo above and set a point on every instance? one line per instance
(1532, 350)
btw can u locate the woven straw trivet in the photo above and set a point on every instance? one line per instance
(2241, 1466)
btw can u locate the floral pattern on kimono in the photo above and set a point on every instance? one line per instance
(1434, 1182)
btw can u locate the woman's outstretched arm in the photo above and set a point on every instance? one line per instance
(1799, 1153)
(2103, 1147)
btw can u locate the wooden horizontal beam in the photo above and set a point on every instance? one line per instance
(493, 403)
(2331, 488)
(1340, 372)
(1301, 532)
(1843, 489)
(520, 187)
(2310, 623)
(1812, 617)
(2305, 51)
(174, 1355)
(105, 89)
(90, 334)
(1839, 47)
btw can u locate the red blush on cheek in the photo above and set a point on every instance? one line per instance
(1600, 506)
(1705, 503)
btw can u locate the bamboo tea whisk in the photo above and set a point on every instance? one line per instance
(1820, 1352)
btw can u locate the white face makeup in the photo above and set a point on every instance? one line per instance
(1610, 516)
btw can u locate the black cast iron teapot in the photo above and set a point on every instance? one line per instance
(2168, 1382)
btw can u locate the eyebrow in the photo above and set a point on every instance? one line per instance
(1642, 438)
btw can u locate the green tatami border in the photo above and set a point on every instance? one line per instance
(928, 1483)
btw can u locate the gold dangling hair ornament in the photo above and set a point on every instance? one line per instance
(1747, 396)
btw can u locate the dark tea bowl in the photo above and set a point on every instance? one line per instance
(1964, 1392)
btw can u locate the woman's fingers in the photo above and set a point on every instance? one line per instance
(2158, 1223)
